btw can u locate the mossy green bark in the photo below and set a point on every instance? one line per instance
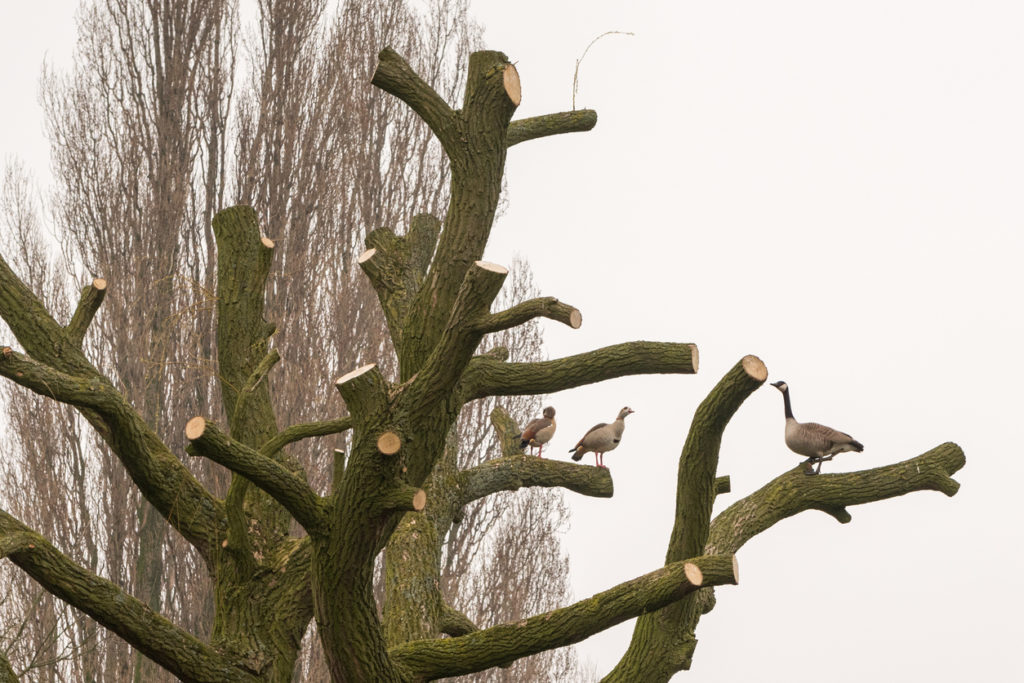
(269, 584)
(7, 674)
(662, 642)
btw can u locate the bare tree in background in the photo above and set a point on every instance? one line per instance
(397, 485)
(151, 132)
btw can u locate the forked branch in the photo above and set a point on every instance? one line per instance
(795, 492)
(161, 477)
(663, 643)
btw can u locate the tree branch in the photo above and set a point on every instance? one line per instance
(476, 147)
(455, 623)
(365, 392)
(577, 121)
(669, 633)
(460, 337)
(795, 492)
(396, 266)
(430, 659)
(305, 430)
(516, 471)
(402, 498)
(34, 327)
(545, 307)
(286, 487)
(394, 75)
(491, 377)
(723, 485)
(160, 476)
(88, 304)
(243, 264)
(179, 652)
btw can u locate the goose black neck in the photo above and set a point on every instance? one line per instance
(785, 398)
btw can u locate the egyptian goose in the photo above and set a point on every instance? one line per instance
(818, 442)
(601, 438)
(539, 431)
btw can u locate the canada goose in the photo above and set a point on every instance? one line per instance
(539, 431)
(817, 442)
(601, 438)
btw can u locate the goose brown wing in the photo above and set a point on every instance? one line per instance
(535, 426)
(589, 432)
(827, 438)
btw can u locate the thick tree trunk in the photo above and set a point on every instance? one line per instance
(269, 583)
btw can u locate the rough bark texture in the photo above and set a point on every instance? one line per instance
(662, 641)
(494, 646)
(270, 581)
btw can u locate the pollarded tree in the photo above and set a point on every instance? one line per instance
(396, 487)
(155, 108)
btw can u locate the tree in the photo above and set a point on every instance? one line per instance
(154, 110)
(395, 486)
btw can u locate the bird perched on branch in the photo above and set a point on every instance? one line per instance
(818, 442)
(539, 431)
(601, 438)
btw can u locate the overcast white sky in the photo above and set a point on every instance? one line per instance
(834, 187)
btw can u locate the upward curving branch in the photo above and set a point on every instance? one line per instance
(88, 304)
(461, 335)
(543, 307)
(305, 430)
(474, 140)
(394, 75)
(663, 642)
(286, 487)
(243, 264)
(34, 327)
(479, 650)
